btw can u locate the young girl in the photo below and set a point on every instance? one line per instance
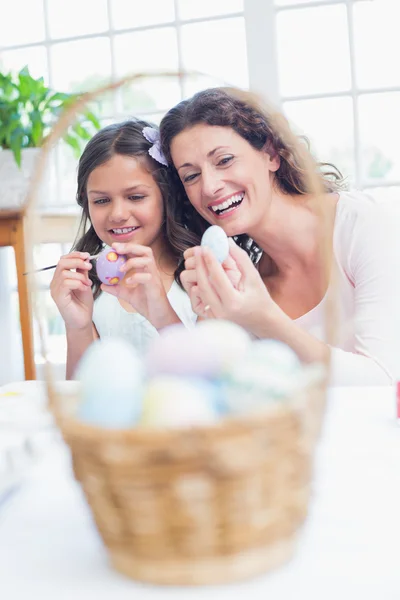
(123, 184)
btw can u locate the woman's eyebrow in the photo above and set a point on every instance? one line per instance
(209, 155)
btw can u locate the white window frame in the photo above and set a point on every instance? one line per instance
(260, 18)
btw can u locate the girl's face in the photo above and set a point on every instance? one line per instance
(227, 180)
(125, 203)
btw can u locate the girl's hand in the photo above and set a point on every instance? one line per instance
(71, 290)
(189, 278)
(142, 286)
(249, 304)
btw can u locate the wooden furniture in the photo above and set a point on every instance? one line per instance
(55, 227)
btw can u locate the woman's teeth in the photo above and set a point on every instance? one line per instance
(232, 201)
(124, 230)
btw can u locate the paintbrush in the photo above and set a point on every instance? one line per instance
(54, 266)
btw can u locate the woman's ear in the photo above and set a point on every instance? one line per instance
(275, 162)
(273, 158)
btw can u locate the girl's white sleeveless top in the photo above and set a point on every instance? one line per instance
(111, 320)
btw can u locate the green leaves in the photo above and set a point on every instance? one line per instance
(28, 109)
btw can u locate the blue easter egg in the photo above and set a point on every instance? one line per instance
(111, 383)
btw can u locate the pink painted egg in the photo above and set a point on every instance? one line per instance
(108, 266)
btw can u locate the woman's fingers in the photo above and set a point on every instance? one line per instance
(190, 263)
(189, 252)
(208, 290)
(241, 258)
(188, 280)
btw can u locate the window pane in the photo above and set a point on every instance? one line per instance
(137, 13)
(313, 50)
(76, 63)
(377, 42)
(221, 60)
(34, 57)
(328, 125)
(22, 22)
(297, 2)
(380, 134)
(81, 66)
(81, 17)
(135, 52)
(208, 8)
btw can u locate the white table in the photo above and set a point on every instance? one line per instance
(348, 550)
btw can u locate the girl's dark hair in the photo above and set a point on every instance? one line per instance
(127, 139)
(242, 112)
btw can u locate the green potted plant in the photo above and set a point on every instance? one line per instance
(28, 109)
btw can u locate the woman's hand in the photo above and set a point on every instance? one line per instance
(142, 286)
(71, 290)
(211, 290)
(189, 278)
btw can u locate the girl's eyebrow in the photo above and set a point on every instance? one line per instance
(208, 156)
(129, 189)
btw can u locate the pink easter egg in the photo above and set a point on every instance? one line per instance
(108, 266)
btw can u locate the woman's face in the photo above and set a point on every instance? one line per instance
(125, 203)
(227, 180)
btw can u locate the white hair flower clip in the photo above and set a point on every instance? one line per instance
(153, 136)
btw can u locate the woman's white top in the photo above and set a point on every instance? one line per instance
(366, 248)
(111, 320)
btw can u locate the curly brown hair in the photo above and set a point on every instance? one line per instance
(243, 112)
(126, 138)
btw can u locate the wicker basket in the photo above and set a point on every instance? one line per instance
(201, 505)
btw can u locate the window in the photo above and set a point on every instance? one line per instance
(338, 83)
(114, 38)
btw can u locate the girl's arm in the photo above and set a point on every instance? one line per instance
(78, 342)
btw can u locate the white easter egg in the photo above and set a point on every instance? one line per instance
(111, 377)
(229, 341)
(271, 372)
(174, 402)
(216, 239)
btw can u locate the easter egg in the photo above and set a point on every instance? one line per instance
(202, 352)
(111, 383)
(269, 373)
(108, 266)
(216, 239)
(174, 402)
(230, 342)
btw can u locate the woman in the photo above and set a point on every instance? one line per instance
(240, 173)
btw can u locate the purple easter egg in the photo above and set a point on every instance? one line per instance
(108, 266)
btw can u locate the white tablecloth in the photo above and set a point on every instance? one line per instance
(349, 548)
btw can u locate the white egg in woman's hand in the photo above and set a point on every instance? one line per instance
(216, 239)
